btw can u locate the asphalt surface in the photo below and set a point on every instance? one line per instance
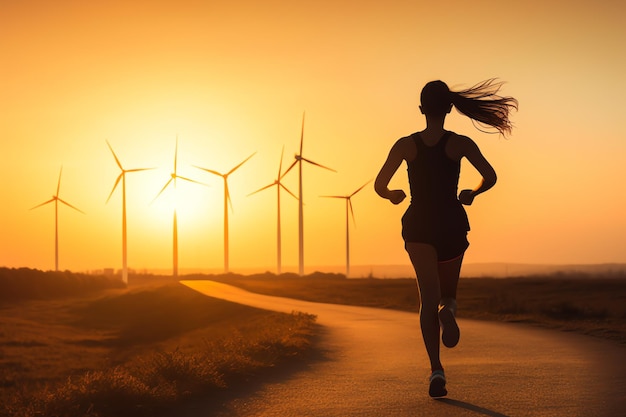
(373, 363)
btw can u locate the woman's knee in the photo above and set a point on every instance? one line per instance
(429, 309)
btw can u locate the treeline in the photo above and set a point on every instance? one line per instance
(267, 275)
(18, 284)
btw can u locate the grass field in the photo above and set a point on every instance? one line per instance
(592, 305)
(74, 346)
(135, 352)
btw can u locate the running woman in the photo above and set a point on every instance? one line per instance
(435, 225)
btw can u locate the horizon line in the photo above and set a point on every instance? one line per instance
(469, 269)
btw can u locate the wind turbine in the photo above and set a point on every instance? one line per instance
(349, 211)
(55, 198)
(227, 201)
(122, 177)
(173, 177)
(298, 160)
(278, 185)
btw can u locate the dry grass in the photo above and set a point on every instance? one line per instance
(592, 305)
(133, 352)
(21, 284)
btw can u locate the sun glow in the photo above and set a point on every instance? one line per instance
(229, 81)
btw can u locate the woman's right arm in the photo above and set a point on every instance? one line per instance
(389, 168)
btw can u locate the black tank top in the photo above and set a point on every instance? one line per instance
(434, 179)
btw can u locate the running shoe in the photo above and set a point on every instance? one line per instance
(437, 384)
(450, 332)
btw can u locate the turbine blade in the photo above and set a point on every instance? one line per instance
(290, 167)
(162, 189)
(263, 188)
(139, 169)
(190, 180)
(316, 164)
(360, 188)
(117, 161)
(43, 204)
(351, 211)
(302, 134)
(280, 164)
(176, 155)
(287, 189)
(71, 206)
(117, 181)
(59, 183)
(243, 162)
(210, 171)
(230, 202)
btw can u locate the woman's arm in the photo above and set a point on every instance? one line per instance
(389, 168)
(484, 168)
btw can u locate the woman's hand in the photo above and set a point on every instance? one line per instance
(466, 197)
(476, 158)
(396, 196)
(389, 168)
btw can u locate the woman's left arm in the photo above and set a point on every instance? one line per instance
(484, 168)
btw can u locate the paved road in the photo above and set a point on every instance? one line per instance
(375, 365)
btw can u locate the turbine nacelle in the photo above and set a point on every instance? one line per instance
(124, 171)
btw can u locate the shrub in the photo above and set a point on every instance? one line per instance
(159, 381)
(25, 283)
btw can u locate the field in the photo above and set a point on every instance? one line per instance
(589, 304)
(109, 351)
(76, 345)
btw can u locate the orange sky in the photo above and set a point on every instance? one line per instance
(230, 78)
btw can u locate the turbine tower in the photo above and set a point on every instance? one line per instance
(122, 177)
(227, 201)
(173, 177)
(278, 185)
(298, 160)
(55, 198)
(349, 211)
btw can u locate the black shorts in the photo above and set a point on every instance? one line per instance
(446, 231)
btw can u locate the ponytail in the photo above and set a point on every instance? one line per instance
(483, 104)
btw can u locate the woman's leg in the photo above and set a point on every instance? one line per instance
(424, 260)
(448, 280)
(449, 273)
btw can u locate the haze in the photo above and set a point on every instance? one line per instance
(230, 78)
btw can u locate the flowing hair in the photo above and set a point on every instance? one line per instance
(481, 103)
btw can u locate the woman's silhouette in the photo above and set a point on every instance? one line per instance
(435, 225)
